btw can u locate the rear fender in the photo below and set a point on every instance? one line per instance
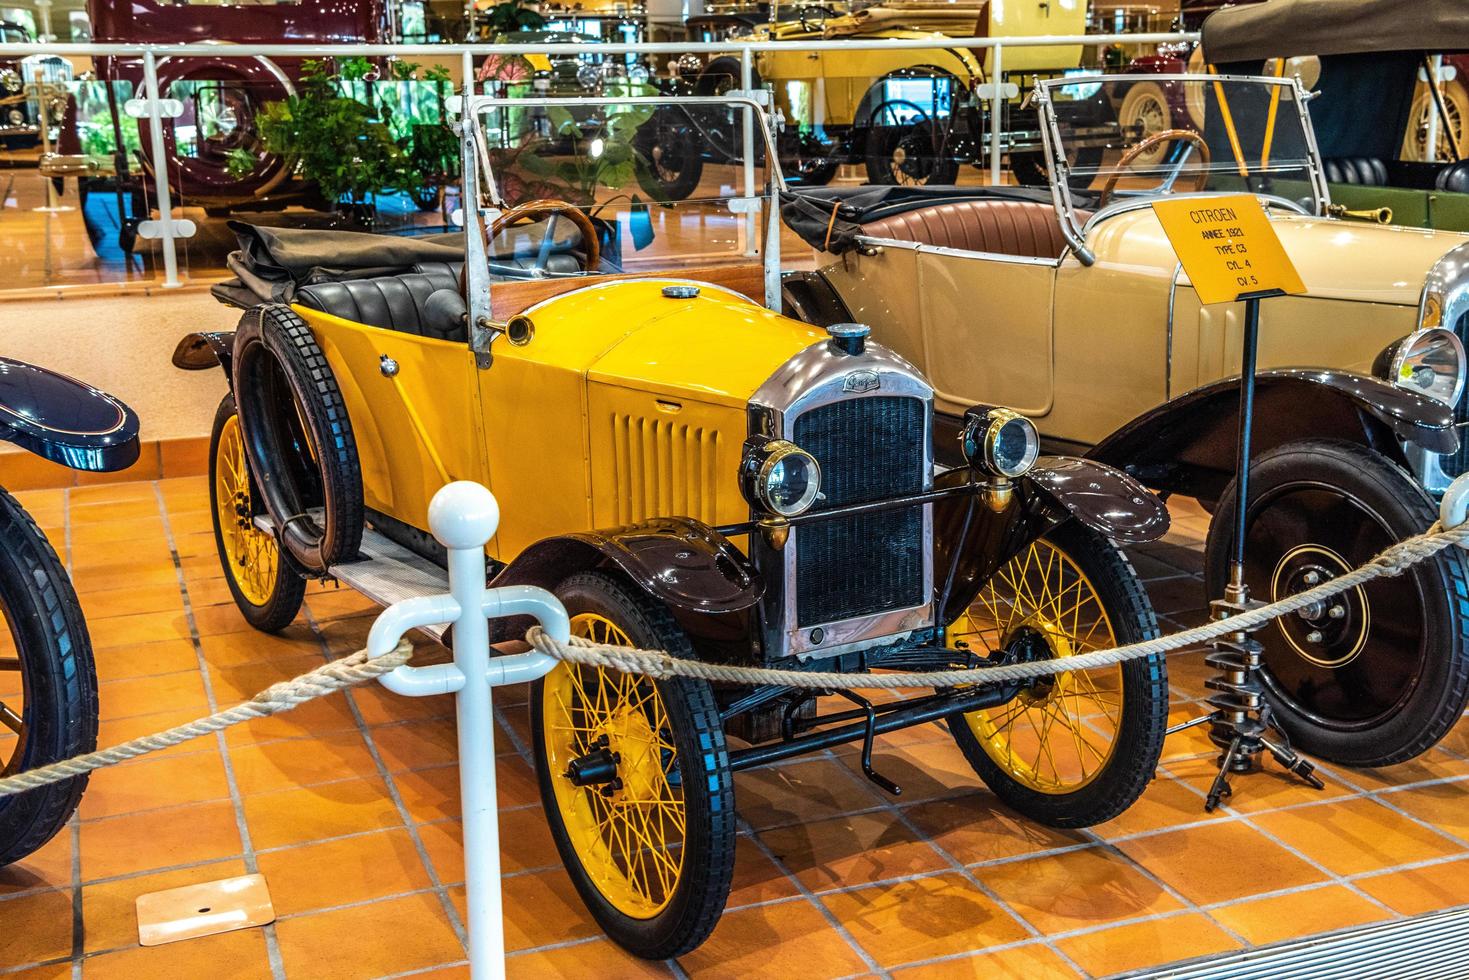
(708, 584)
(206, 349)
(1187, 445)
(972, 541)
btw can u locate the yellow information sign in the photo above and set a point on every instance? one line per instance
(1227, 247)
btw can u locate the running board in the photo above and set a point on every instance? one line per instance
(1425, 946)
(386, 572)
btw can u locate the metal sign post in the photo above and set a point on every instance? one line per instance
(1231, 254)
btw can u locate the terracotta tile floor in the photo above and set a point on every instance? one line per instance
(349, 808)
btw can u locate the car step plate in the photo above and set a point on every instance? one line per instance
(387, 572)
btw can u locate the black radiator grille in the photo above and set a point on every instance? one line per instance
(869, 449)
(1457, 462)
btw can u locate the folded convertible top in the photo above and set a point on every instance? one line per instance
(272, 263)
(1287, 28)
(831, 218)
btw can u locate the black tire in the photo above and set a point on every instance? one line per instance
(699, 766)
(298, 438)
(1318, 504)
(1137, 728)
(671, 160)
(275, 599)
(915, 154)
(1030, 168)
(58, 681)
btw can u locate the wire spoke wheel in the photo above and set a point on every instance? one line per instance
(1058, 734)
(251, 555)
(628, 829)
(1078, 747)
(266, 587)
(635, 778)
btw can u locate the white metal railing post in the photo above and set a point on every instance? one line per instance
(160, 170)
(747, 85)
(463, 517)
(997, 106)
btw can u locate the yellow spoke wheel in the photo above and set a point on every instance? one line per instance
(1077, 747)
(266, 591)
(635, 778)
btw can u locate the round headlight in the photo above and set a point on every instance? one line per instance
(10, 81)
(16, 117)
(780, 477)
(1431, 363)
(1000, 442)
(688, 65)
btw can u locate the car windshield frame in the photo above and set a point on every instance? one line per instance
(1055, 146)
(478, 184)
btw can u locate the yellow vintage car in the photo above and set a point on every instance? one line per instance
(1072, 307)
(910, 115)
(687, 470)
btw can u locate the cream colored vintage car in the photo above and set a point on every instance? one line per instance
(1072, 307)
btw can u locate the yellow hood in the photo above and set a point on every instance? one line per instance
(717, 347)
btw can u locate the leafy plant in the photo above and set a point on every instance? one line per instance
(602, 155)
(512, 15)
(345, 144)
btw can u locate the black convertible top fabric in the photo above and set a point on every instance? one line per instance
(1286, 28)
(809, 212)
(272, 263)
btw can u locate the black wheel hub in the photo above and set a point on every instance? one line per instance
(1330, 633)
(1028, 645)
(597, 768)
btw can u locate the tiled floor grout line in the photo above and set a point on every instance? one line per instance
(984, 889)
(252, 865)
(74, 825)
(811, 898)
(439, 889)
(1300, 855)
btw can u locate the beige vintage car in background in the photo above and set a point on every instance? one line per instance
(1072, 307)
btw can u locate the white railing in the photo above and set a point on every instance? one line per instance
(167, 230)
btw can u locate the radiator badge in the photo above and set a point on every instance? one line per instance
(858, 382)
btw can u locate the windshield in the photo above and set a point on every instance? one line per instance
(1138, 138)
(665, 181)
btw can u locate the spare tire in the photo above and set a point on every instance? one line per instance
(298, 438)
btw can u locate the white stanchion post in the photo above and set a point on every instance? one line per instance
(997, 108)
(160, 170)
(463, 516)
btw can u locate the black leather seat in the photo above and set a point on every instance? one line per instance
(1454, 178)
(1365, 171)
(390, 302)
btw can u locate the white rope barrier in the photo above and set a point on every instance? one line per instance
(655, 663)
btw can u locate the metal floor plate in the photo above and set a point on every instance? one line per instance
(205, 909)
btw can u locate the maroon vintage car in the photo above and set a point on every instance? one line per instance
(203, 148)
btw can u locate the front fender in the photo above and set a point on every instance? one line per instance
(1187, 445)
(205, 349)
(682, 563)
(972, 541)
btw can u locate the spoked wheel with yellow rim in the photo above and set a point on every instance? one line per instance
(1075, 748)
(265, 586)
(635, 778)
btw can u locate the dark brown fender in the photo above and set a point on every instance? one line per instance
(972, 541)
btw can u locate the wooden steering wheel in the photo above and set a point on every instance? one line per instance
(549, 207)
(1201, 179)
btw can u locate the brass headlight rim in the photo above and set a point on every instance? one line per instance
(777, 451)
